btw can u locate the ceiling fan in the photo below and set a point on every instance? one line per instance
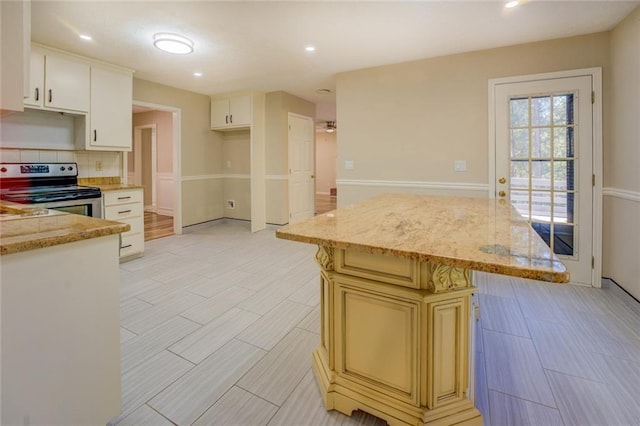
(330, 127)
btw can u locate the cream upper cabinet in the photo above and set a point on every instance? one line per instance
(58, 83)
(36, 80)
(230, 112)
(110, 113)
(15, 44)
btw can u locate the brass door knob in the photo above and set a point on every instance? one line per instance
(502, 180)
(313, 176)
(502, 194)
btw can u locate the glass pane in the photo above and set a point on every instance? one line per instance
(520, 200)
(541, 143)
(544, 230)
(541, 111)
(541, 175)
(560, 110)
(563, 142)
(541, 206)
(519, 112)
(520, 143)
(563, 241)
(563, 174)
(520, 174)
(560, 212)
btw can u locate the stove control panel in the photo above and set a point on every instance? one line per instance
(38, 170)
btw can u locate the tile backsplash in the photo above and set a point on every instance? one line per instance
(90, 163)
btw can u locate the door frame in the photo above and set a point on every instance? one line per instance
(137, 168)
(596, 81)
(289, 156)
(177, 161)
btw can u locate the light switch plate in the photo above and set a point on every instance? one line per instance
(348, 165)
(460, 165)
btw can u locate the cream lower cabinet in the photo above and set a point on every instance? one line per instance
(395, 338)
(126, 206)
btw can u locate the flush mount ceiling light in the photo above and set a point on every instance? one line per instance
(85, 37)
(323, 91)
(197, 74)
(173, 43)
(310, 48)
(511, 4)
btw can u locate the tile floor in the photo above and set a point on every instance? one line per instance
(218, 326)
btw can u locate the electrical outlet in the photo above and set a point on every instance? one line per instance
(231, 204)
(460, 165)
(99, 166)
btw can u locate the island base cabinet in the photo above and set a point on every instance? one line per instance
(60, 349)
(397, 348)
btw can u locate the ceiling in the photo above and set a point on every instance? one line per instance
(261, 45)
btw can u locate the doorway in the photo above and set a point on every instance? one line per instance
(545, 163)
(301, 168)
(154, 164)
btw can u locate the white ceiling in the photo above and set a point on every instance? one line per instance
(260, 45)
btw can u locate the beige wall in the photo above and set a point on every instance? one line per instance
(410, 121)
(621, 229)
(278, 105)
(326, 155)
(164, 136)
(236, 160)
(200, 150)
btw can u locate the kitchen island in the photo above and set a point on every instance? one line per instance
(60, 318)
(396, 288)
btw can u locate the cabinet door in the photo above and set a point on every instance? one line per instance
(219, 113)
(240, 111)
(36, 80)
(111, 99)
(66, 83)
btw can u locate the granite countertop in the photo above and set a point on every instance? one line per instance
(475, 233)
(116, 186)
(23, 228)
(110, 183)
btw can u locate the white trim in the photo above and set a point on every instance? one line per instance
(200, 177)
(414, 184)
(236, 176)
(622, 194)
(596, 82)
(277, 177)
(323, 193)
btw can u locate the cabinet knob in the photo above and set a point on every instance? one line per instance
(502, 180)
(502, 194)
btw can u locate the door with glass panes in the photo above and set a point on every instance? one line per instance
(544, 163)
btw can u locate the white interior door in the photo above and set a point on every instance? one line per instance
(301, 168)
(544, 163)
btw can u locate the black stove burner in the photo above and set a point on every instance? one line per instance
(33, 183)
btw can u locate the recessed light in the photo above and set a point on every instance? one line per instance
(310, 48)
(85, 37)
(173, 43)
(511, 4)
(197, 74)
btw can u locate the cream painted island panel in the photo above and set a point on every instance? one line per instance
(395, 300)
(60, 355)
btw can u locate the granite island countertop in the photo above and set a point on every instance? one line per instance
(25, 228)
(481, 234)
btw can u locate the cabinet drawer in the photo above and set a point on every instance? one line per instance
(131, 244)
(121, 197)
(136, 224)
(123, 211)
(388, 269)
